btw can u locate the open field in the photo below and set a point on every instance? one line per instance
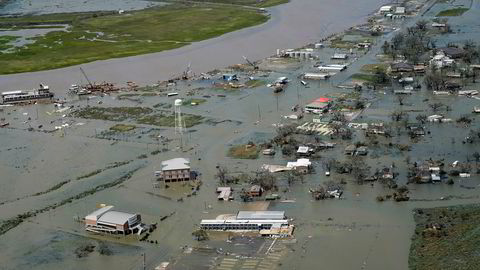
(141, 115)
(104, 35)
(244, 151)
(452, 12)
(446, 238)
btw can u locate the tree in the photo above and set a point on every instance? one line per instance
(434, 80)
(397, 40)
(359, 169)
(265, 179)
(476, 156)
(222, 173)
(386, 47)
(436, 106)
(339, 117)
(381, 76)
(400, 99)
(421, 25)
(421, 118)
(397, 116)
(470, 51)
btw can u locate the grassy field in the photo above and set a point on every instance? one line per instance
(446, 238)
(364, 77)
(4, 40)
(194, 101)
(169, 120)
(452, 12)
(104, 35)
(244, 151)
(140, 115)
(122, 127)
(255, 83)
(372, 68)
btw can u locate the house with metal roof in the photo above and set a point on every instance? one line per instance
(175, 170)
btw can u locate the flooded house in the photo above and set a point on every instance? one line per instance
(339, 56)
(401, 67)
(441, 60)
(332, 67)
(105, 220)
(318, 105)
(175, 170)
(350, 150)
(302, 165)
(255, 191)
(224, 193)
(452, 52)
(304, 151)
(316, 76)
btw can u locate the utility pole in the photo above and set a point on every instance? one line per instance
(259, 114)
(277, 102)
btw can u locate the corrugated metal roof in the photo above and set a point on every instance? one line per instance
(260, 215)
(176, 164)
(99, 212)
(114, 217)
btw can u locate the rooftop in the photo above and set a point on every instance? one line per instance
(176, 164)
(114, 217)
(261, 215)
(95, 215)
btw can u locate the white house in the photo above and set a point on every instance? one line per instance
(440, 60)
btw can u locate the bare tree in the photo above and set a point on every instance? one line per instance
(221, 174)
(436, 106)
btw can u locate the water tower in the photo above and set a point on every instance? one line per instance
(179, 121)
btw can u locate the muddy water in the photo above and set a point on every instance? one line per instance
(291, 25)
(362, 234)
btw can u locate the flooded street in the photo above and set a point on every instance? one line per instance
(56, 166)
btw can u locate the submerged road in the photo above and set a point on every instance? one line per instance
(291, 25)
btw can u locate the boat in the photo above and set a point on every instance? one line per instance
(43, 92)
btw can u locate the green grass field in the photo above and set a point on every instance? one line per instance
(452, 12)
(446, 238)
(134, 33)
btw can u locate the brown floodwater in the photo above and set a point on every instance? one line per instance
(355, 232)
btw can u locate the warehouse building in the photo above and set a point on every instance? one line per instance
(105, 220)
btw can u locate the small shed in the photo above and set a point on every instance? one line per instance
(362, 151)
(350, 150)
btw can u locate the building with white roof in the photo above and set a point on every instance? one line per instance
(175, 170)
(386, 9)
(273, 223)
(106, 220)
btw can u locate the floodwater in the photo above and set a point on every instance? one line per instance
(31, 7)
(355, 232)
(291, 25)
